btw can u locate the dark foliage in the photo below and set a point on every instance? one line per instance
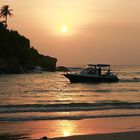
(15, 51)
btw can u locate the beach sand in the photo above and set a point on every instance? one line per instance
(120, 128)
(111, 136)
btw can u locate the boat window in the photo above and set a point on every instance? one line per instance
(84, 71)
(89, 71)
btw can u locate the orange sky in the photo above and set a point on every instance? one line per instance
(78, 32)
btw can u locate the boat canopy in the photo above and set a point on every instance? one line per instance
(92, 65)
(99, 65)
(103, 65)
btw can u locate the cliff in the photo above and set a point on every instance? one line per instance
(17, 56)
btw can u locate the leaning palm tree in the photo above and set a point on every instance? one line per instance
(5, 12)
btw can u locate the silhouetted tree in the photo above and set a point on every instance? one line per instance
(5, 12)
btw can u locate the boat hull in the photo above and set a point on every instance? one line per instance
(75, 78)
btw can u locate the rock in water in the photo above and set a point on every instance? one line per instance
(44, 138)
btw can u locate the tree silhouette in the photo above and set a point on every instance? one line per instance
(5, 12)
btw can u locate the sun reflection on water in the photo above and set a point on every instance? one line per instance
(67, 129)
(66, 133)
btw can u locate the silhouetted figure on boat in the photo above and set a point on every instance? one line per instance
(99, 71)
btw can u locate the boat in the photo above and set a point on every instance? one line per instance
(93, 74)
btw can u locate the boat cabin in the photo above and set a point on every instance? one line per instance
(99, 69)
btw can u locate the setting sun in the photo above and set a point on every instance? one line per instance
(64, 29)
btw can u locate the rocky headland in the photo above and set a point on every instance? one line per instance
(17, 56)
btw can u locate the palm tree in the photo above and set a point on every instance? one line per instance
(5, 12)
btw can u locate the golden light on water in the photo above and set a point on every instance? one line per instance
(67, 128)
(66, 134)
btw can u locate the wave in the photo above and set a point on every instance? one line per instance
(70, 117)
(81, 91)
(68, 107)
(135, 79)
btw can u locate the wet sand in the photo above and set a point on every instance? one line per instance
(111, 136)
(13, 137)
(99, 128)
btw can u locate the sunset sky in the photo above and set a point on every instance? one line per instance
(78, 32)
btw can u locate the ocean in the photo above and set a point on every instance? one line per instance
(50, 96)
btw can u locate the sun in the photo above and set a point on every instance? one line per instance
(64, 29)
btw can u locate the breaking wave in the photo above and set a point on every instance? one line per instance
(130, 80)
(68, 107)
(70, 117)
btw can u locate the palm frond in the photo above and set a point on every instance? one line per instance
(5, 12)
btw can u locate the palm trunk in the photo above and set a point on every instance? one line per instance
(6, 20)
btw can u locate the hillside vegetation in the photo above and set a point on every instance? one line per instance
(17, 56)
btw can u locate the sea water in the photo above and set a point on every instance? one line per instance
(50, 96)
